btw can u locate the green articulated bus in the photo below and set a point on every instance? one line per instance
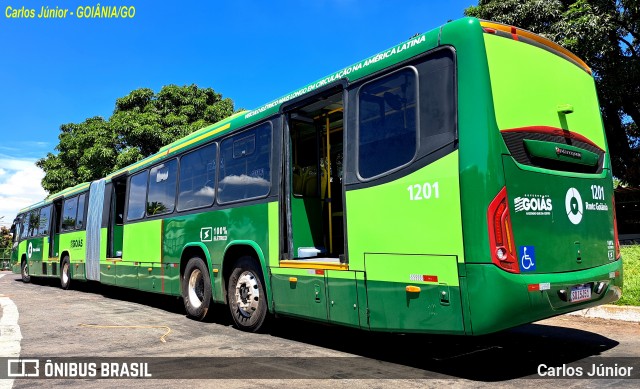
(458, 182)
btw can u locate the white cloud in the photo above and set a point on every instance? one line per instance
(19, 186)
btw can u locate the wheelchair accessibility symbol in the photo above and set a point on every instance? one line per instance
(527, 256)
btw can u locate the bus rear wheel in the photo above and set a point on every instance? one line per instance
(196, 288)
(65, 276)
(24, 270)
(246, 296)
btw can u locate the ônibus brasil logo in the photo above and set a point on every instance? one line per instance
(533, 204)
(573, 204)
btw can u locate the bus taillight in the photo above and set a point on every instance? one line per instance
(502, 246)
(616, 242)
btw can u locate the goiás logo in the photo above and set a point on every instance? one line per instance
(533, 204)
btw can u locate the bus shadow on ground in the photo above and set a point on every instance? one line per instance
(506, 355)
(163, 302)
(219, 314)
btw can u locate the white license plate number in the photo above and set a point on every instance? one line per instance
(580, 293)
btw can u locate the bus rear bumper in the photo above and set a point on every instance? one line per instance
(500, 300)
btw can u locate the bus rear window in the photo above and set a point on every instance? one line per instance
(547, 110)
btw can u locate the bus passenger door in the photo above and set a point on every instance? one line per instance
(113, 220)
(54, 232)
(116, 218)
(312, 214)
(314, 189)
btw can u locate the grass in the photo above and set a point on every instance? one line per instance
(631, 273)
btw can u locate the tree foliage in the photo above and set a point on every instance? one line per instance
(142, 122)
(606, 35)
(5, 239)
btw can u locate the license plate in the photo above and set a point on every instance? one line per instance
(580, 293)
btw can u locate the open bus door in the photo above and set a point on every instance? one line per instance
(314, 279)
(54, 230)
(113, 220)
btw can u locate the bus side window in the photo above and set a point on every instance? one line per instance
(197, 178)
(25, 227)
(161, 198)
(69, 214)
(387, 125)
(45, 219)
(245, 165)
(34, 222)
(137, 196)
(80, 217)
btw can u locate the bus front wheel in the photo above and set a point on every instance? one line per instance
(65, 277)
(246, 296)
(196, 288)
(25, 272)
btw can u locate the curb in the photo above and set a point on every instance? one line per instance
(611, 312)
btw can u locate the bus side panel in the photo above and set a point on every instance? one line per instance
(75, 244)
(342, 297)
(107, 269)
(15, 259)
(35, 253)
(434, 306)
(141, 250)
(20, 251)
(407, 234)
(215, 231)
(299, 292)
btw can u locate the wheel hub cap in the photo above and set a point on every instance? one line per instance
(247, 293)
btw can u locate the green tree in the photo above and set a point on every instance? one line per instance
(142, 122)
(5, 238)
(606, 35)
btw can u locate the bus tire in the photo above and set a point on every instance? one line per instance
(24, 271)
(196, 288)
(65, 276)
(246, 295)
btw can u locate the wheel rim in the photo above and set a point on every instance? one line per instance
(196, 289)
(25, 270)
(247, 293)
(65, 273)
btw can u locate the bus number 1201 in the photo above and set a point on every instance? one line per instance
(424, 191)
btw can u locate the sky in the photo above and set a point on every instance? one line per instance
(63, 70)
